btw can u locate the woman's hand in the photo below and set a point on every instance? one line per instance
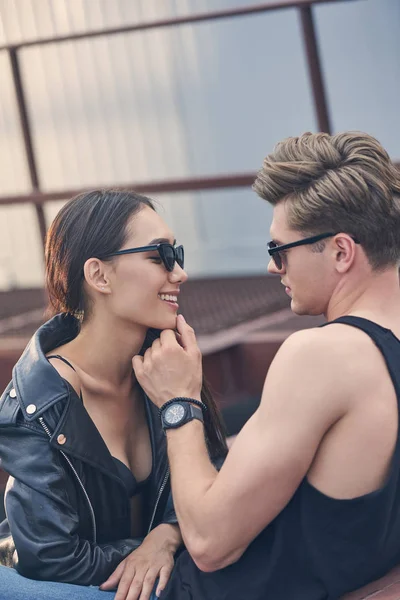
(137, 574)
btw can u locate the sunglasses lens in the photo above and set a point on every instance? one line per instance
(276, 257)
(277, 260)
(168, 257)
(180, 256)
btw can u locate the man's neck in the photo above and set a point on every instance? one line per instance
(376, 297)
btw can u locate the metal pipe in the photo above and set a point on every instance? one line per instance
(27, 136)
(215, 182)
(195, 18)
(314, 68)
(150, 187)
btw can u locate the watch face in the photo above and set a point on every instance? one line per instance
(174, 414)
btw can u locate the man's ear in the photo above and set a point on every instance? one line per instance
(95, 273)
(345, 252)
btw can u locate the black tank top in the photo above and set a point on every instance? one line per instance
(317, 548)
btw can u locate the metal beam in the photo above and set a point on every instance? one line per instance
(26, 135)
(235, 180)
(194, 18)
(314, 68)
(215, 182)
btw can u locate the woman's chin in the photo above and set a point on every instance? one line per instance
(165, 322)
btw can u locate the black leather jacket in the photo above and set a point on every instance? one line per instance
(68, 511)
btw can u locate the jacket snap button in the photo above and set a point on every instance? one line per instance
(13, 393)
(30, 409)
(61, 439)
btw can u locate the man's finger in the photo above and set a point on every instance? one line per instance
(188, 336)
(156, 344)
(137, 364)
(147, 355)
(114, 578)
(168, 337)
(165, 574)
(178, 338)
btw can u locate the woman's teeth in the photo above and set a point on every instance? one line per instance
(168, 297)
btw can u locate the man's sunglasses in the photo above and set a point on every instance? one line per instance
(169, 254)
(274, 250)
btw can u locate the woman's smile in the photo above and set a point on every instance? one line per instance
(170, 298)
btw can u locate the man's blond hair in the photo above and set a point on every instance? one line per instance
(337, 183)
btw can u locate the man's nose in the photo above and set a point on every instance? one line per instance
(273, 269)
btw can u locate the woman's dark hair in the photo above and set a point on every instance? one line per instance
(94, 224)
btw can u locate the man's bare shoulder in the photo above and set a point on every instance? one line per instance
(330, 360)
(336, 341)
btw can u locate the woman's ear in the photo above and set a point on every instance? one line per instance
(95, 273)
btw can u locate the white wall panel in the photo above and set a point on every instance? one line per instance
(21, 262)
(198, 99)
(360, 50)
(14, 175)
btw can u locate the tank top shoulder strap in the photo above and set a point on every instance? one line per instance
(64, 360)
(370, 327)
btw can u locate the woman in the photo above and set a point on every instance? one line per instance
(88, 496)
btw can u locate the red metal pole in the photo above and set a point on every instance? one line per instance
(193, 18)
(314, 67)
(27, 136)
(234, 180)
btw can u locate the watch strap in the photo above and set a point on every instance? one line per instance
(196, 413)
(182, 399)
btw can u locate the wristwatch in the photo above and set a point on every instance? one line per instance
(178, 413)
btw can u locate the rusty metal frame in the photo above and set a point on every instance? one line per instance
(193, 18)
(192, 184)
(27, 137)
(315, 69)
(38, 198)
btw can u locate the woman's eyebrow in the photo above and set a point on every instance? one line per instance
(161, 241)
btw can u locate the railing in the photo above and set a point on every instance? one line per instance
(38, 198)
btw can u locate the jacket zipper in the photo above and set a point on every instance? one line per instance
(94, 528)
(164, 483)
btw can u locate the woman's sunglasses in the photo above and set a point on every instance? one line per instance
(274, 250)
(169, 254)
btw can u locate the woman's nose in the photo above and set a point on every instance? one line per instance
(178, 274)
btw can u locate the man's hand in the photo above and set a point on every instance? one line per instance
(171, 368)
(137, 574)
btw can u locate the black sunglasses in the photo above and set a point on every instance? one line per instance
(169, 254)
(274, 250)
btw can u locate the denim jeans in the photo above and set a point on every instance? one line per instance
(15, 587)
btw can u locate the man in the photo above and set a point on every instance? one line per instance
(307, 503)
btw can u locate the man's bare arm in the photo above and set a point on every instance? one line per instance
(221, 513)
